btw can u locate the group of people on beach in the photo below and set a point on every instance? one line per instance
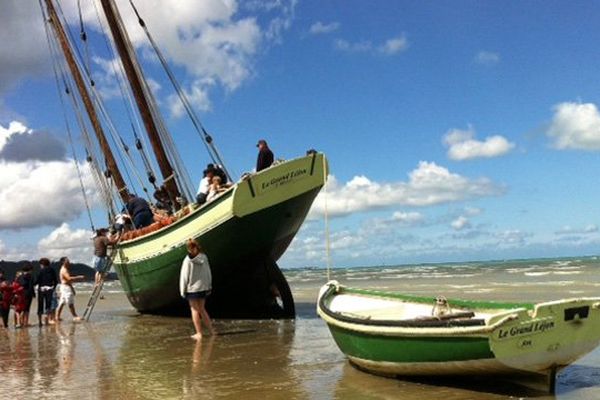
(53, 293)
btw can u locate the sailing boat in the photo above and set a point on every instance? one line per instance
(244, 231)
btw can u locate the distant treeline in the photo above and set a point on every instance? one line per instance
(11, 267)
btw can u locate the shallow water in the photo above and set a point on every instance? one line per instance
(123, 355)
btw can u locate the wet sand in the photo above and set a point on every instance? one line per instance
(120, 354)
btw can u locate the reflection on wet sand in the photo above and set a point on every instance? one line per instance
(157, 359)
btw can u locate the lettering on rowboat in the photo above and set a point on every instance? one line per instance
(526, 329)
(281, 180)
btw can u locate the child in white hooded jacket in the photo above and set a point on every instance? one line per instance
(195, 284)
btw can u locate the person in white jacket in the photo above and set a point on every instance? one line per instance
(195, 284)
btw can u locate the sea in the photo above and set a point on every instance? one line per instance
(120, 354)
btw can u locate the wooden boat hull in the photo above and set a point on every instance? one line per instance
(528, 338)
(243, 232)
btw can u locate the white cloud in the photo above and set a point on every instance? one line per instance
(23, 49)
(389, 47)
(487, 58)
(512, 237)
(428, 185)
(356, 47)
(212, 40)
(36, 193)
(462, 145)
(568, 230)
(198, 95)
(65, 241)
(472, 211)
(394, 45)
(460, 223)
(575, 126)
(320, 28)
(407, 218)
(14, 128)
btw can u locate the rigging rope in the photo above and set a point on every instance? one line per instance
(170, 152)
(128, 102)
(208, 141)
(67, 125)
(82, 67)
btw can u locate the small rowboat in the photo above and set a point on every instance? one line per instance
(394, 335)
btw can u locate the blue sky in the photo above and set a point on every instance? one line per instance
(455, 130)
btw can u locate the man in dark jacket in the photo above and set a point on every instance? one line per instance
(140, 211)
(46, 283)
(265, 156)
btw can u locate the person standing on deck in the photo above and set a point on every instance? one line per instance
(67, 292)
(205, 185)
(140, 211)
(195, 284)
(46, 283)
(101, 243)
(265, 155)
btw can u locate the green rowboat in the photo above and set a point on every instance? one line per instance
(399, 335)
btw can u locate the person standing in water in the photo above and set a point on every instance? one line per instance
(195, 284)
(67, 292)
(46, 283)
(6, 295)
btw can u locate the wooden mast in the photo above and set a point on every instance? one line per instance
(87, 101)
(133, 72)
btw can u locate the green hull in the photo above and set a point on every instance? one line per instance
(244, 233)
(410, 349)
(394, 334)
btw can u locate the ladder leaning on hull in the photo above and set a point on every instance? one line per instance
(98, 286)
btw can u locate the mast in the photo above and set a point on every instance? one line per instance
(134, 75)
(111, 164)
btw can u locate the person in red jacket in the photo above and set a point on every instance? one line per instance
(5, 298)
(19, 300)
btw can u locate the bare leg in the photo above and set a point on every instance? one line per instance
(59, 311)
(206, 318)
(196, 318)
(73, 313)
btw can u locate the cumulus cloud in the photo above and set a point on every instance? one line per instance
(462, 145)
(23, 50)
(568, 230)
(65, 241)
(429, 184)
(319, 28)
(38, 145)
(460, 223)
(407, 218)
(356, 47)
(37, 193)
(197, 94)
(575, 126)
(212, 40)
(512, 238)
(487, 58)
(394, 45)
(389, 47)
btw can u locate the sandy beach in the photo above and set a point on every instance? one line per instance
(121, 354)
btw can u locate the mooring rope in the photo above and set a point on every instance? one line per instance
(326, 217)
